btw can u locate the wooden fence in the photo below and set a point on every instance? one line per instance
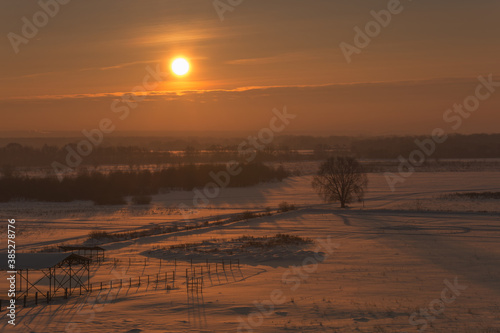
(196, 274)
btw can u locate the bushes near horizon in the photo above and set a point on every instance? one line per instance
(473, 195)
(111, 188)
(285, 207)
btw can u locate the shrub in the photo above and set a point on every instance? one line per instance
(99, 235)
(473, 195)
(271, 242)
(247, 215)
(285, 207)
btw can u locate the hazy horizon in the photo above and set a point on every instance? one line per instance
(76, 135)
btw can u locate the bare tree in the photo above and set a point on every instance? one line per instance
(341, 179)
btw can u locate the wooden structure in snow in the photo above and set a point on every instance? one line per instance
(96, 253)
(48, 273)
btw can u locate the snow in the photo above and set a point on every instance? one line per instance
(390, 259)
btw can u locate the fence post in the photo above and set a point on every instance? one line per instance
(36, 298)
(101, 285)
(139, 281)
(230, 264)
(130, 282)
(65, 293)
(48, 297)
(24, 304)
(80, 290)
(173, 279)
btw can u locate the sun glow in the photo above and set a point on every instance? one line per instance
(180, 66)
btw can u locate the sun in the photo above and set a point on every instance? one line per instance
(180, 66)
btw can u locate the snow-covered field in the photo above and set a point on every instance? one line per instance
(370, 268)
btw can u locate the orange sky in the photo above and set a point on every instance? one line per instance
(90, 52)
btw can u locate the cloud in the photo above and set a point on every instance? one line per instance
(397, 107)
(265, 90)
(279, 58)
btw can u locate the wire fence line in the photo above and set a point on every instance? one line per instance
(194, 274)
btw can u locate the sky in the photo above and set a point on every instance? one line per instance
(262, 55)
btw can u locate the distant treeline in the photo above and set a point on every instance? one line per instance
(16, 155)
(456, 146)
(111, 188)
(283, 149)
(180, 143)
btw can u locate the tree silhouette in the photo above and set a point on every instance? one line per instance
(340, 179)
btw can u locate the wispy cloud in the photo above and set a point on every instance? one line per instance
(265, 90)
(279, 58)
(124, 65)
(182, 33)
(97, 68)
